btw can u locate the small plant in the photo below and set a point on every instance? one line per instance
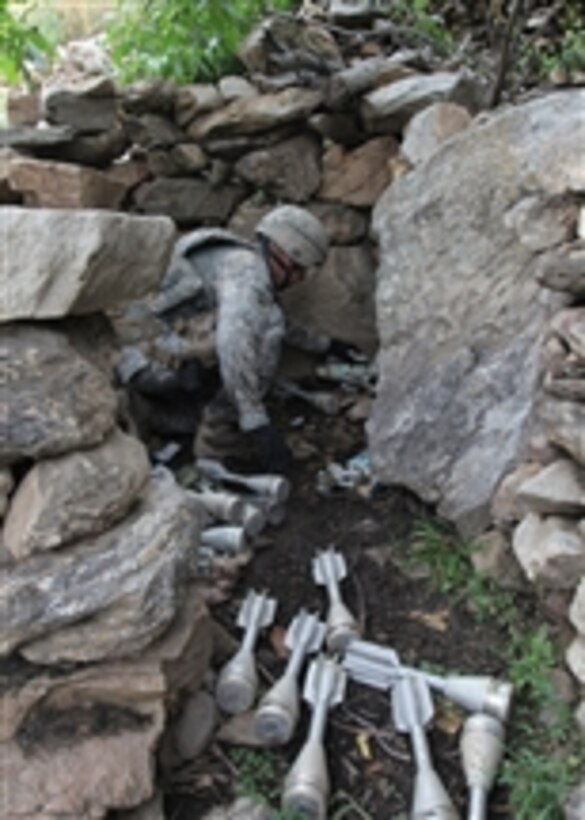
(541, 57)
(445, 556)
(20, 41)
(538, 783)
(260, 778)
(182, 40)
(420, 16)
(531, 660)
(489, 602)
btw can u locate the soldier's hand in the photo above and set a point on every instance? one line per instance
(272, 451)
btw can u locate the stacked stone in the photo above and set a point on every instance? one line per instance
(101, 631)
(543, 500)
(317, 121)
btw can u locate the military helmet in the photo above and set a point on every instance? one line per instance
(300, 234)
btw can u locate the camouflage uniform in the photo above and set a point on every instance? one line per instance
(216, 270)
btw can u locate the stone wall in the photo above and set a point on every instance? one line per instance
(457, 255)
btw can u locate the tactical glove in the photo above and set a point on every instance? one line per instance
(272, 451)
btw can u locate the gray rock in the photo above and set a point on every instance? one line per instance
(389, 107)
(290, 170)
(88, 108)
(153, 131)
(109, 596)
(551, 551)
(36, 139)
(234, 88)
(569, 325)
(230, 148)
(558, 489)
(49, 184)
(254, 114)
(505, 507)
(194, 727)
(575, 657)
(580, 716)
(84, 493)
(97, 150)
(428, 129)
(194, 100)
(564, 422)
(360, 176)
(154, 96)
(55, 400)
(173, 666)
(26, 689)
(577, 609)
(185, 159)
(563, 270)
(80, 261)
(189, 202)
(494, 559)
(458, 372)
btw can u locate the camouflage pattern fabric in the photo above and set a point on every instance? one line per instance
(231, 276)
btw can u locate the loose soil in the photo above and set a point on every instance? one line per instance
(369, 762)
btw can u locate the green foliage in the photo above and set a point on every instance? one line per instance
(260, 776)
(421, 16)
(538, 783)
(20, 41)
(564, 51)
(531, 659)
(182, 40)
(445, 556)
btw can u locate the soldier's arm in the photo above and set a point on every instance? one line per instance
(240, 364)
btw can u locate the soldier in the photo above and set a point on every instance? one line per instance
(215, 270)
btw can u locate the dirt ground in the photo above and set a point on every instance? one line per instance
(369, 762)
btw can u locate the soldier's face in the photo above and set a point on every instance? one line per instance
(285, 271)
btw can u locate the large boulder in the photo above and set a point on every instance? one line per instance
(460, 314)
(61, 262)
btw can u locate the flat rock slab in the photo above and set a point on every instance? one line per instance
(254, 114)
(54, 400)
(36, 139)
(46, 184)
(60, 262)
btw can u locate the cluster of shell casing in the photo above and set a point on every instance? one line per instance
(238, 509)
(340, 655)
